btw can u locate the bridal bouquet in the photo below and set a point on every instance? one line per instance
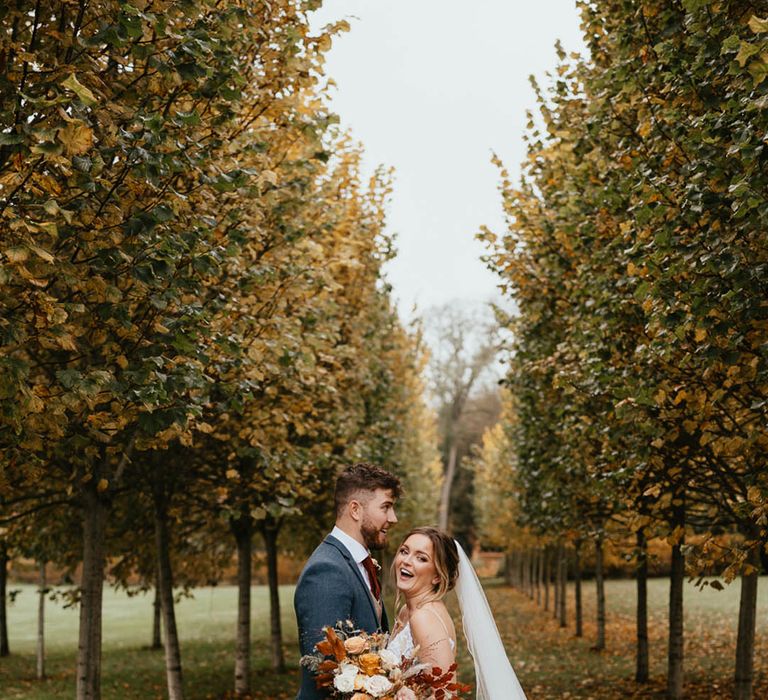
(356, 665)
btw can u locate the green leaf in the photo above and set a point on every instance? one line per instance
(85, 95)
(68, 377)
(7, 139)
(746, 51)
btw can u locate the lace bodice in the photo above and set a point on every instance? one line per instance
(402, 643)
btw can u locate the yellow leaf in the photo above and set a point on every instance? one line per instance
(632, 269)
(121, 361)
(232, 474)
(268, 176)
(66, 341)
(16, 254)
(40, 252)
(103, 485)
(701, 333)
(77, 138)
(758, 25)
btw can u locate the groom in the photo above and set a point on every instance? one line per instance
(340, 580)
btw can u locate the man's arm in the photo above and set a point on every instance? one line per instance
(323, 598)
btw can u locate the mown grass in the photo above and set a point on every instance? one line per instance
(550, 662)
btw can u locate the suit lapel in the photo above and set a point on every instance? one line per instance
(331, 540)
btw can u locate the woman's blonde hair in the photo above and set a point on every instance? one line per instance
(445, 556)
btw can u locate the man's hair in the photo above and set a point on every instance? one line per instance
(363, 477)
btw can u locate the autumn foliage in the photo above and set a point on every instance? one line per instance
(195, 328)
(636, 254)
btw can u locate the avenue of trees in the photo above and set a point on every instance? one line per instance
(194, 328)
(636, 254)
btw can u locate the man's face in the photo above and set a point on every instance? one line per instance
(378, 515)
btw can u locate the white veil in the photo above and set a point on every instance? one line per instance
(494, 676)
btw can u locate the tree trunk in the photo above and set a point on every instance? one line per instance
(445, 491)
(524, 571)
(577, 589)
(243, 531)
(165, 585)
(563, 586)
(40, 665)
(675, 647)
(270, 530)
(600, 589)
(745, 642)
(539, 574)
(509, 570)
(531, 573)
(641, 666)
(5, 648)
(556, 583)
(547, 576)
(157, 640)
(91, 592)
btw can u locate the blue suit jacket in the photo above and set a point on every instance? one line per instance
(330, 589)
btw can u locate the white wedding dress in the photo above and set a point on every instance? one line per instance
(402, 643)
(494, 677)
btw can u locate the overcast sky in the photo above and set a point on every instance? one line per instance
(432, 87)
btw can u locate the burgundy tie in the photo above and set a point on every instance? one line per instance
(373, 577)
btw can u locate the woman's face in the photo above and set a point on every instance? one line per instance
(415, 566)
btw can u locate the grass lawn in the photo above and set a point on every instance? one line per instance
(550, 662)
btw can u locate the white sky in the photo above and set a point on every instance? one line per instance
(432, 87)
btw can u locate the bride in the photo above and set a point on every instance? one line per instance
(427, 565)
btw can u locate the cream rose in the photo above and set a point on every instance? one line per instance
(378, 686)
(344, 684)
(389, 659)
(344, 681)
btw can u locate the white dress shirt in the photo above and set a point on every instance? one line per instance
(357, 550)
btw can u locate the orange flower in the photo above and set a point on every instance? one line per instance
(361, 696)
(369, 664)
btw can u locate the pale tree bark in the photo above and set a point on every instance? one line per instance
(5, 648)
(173, 671)
(641, 661)
(242, 529)
(464, 347)
(675, 653)
(40, 649)
(745, 642)
(270, 530)
(447, 487)
(600, 592)
(577, 588)
(91, 593)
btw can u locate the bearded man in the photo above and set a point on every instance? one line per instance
(340, 580)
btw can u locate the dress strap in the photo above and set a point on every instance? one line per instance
(440, 619)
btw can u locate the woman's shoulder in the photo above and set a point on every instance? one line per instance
(431, 616)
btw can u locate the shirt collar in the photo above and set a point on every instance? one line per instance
(358, 551)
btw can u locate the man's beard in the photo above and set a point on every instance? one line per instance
(372, 535)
